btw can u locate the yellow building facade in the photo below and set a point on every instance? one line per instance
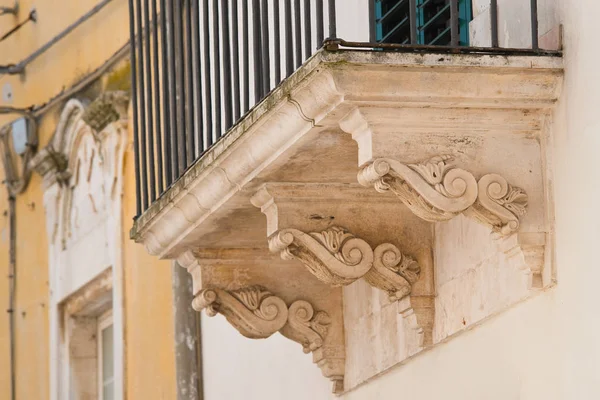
(82, 64)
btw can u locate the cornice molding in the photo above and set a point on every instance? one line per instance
(257, 314)
(435, 190)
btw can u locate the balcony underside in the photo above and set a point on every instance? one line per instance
(367, 168)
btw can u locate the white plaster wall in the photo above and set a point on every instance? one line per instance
(237, 368)
(514, 24)
(546, 347)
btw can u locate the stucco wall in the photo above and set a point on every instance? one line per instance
(149, 356)
(149, 329)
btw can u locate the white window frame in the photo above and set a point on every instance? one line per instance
(104, 321)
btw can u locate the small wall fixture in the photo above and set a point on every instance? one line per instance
(18, 143)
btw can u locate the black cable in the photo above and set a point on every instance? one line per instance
(31, 18)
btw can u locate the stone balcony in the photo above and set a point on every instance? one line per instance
(373, 205)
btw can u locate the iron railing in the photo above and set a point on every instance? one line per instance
(199, 65)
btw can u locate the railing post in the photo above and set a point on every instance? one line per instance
(132, 47)
(413, 21)
(332, 21)
(454, 35)
(534, 25)
(494, 22)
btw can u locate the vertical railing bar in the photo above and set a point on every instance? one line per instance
(189, 102)
(180, 87)
(246, 54)
(150, 120)
(207, 74)
(236, 61)
(256, 40)
(165, 93)
(228, 98)
(298, 33)
(372, 22)
(197, 77)
(454, 34)
(320, 24)
(307, 30)
(332, 20)
(172, 93)
(156, 106)
(534, 25)
(494, 22)
(136, 111)
(412, 4)
(289, 40)
(266, 60)
(217, 69)
(277, 42)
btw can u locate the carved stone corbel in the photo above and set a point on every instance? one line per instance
(437, 191)
(335, 256)
(499, 204)
(393, 272)
(253, 311)
(433, 190)
(256, 313)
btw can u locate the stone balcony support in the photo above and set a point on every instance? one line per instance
(375, 203)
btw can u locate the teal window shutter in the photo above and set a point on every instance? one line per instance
(392, 21)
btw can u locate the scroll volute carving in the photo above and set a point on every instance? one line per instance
(437, 191)
(253, 311)
(334, 256)
(393, 272)
(434, 190)
(499, 204)
(256, 313)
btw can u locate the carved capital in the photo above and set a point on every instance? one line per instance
(393, 272)
(256, 313)
(107, 108)
(335, 256)
(253, 311)
(433, 190)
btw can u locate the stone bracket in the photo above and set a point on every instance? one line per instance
(256, 313)
(258, 299)
(435, 190)
(337, 257)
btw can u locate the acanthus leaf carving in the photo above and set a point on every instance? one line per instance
(499, 204)
(437, 191)
(253, 311)
(393, 272)
(306, 327)
(334, 256)
(256, 313)
(434, 190)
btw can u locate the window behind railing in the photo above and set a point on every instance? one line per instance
(199, 65)
(425, 22)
